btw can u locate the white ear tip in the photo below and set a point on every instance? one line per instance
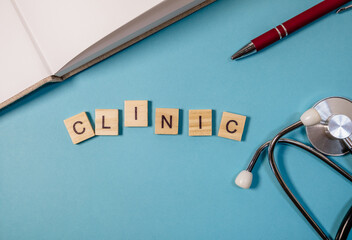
(244, 179)
(310, 117)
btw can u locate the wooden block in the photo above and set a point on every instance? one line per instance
(166, 121)
(106, 122)
(200, 122)
(232, 126)
(79, 128)
(136, 113)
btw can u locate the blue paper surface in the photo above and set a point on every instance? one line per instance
(144, 186)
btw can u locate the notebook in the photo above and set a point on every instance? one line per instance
(46, 41)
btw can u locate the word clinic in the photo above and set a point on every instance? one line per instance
(166, 122)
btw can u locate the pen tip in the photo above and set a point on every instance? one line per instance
(234, 57)
(245, 51)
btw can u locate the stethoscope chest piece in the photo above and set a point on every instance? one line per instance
(333, 135)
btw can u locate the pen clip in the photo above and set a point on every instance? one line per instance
(344, 9)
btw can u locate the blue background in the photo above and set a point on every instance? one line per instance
(145, 186)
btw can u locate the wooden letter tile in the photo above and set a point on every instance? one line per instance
(200, 122)
(136, 113)
(232, 126)
(106, 122)
(166, 121)
(79, 127)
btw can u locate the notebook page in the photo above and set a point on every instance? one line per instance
(20, 63)
(65, 28)
(143, 23)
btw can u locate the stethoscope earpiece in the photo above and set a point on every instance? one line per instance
(244, 179)
(310, 117)
(329, 129)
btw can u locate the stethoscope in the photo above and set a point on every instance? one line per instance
(329, 129)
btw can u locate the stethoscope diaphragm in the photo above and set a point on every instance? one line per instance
(332, 136)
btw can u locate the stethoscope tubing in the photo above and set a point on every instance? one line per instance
(304, 147)
(347, 222)
(282, 182)
(345, 226)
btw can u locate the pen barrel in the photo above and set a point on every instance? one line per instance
(297, 22)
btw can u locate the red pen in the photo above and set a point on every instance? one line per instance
(289, 27)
